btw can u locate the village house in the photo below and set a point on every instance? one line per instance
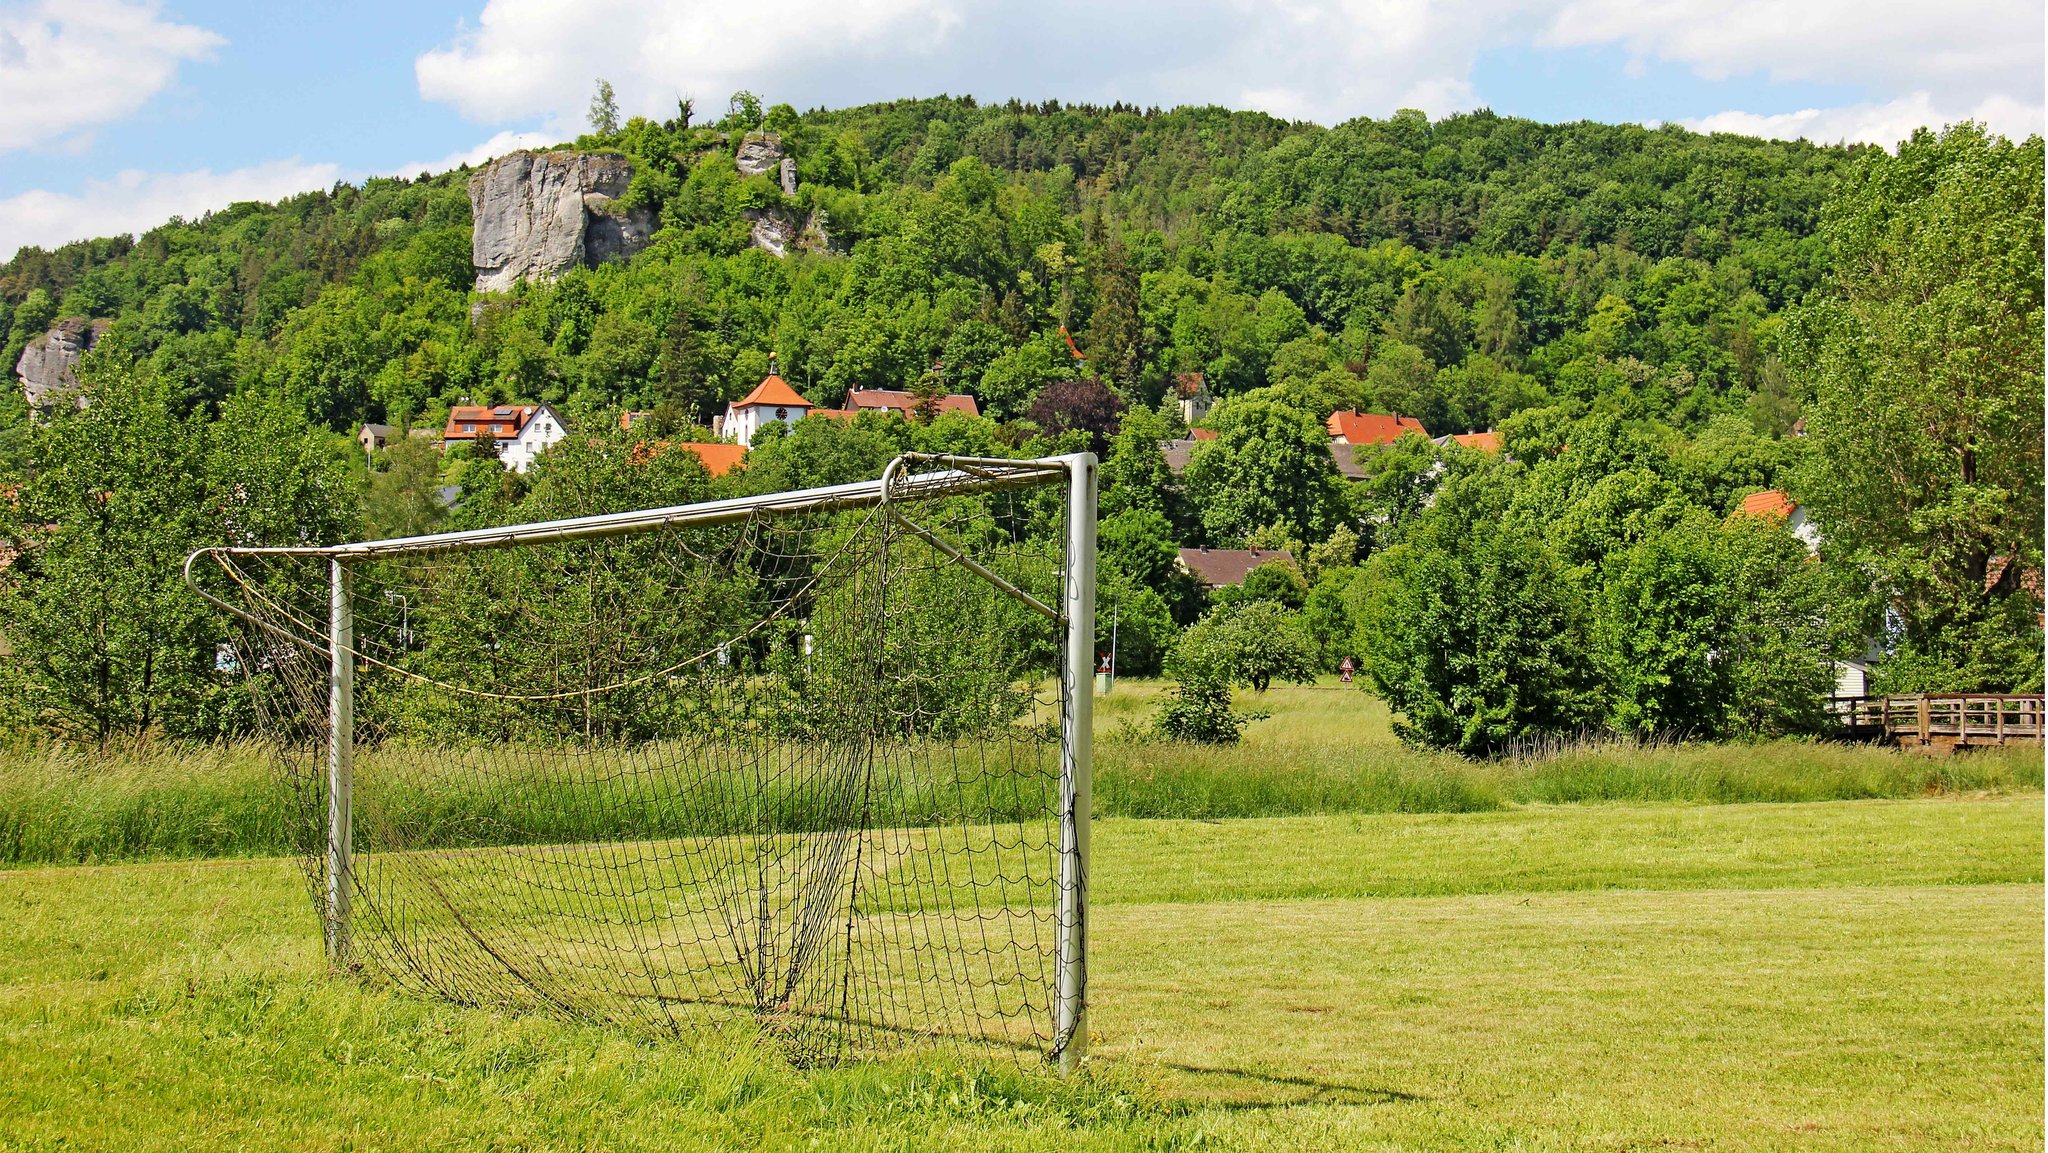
(1486, 442)
(1192, 392)
(772, 401)
(1182, 450)
(1775, 505)
(1223, 567)
(903, 404)
(521, 431)
(1366, 429)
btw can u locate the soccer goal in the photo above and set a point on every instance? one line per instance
(813, 764)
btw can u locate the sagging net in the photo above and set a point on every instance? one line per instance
(798, 772)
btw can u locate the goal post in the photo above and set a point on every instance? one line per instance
(815, 762)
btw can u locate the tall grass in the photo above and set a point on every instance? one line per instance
(1325, 749)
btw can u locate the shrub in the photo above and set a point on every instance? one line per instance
(1197, 711)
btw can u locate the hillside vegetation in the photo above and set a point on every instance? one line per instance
(1651, 318)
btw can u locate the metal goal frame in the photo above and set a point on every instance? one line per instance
(960, 475)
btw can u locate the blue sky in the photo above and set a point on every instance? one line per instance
(114, 114)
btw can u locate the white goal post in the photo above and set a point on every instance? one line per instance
(835, 876)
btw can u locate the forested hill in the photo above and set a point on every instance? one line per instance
(1456, 270)
(1663, 328)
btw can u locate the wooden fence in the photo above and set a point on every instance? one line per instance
(1941, 722)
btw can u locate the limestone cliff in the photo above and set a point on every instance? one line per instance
(538, 214)
(48, 363)
(759, 153)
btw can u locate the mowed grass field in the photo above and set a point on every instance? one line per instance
(1861, 974)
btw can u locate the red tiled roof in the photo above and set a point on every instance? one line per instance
(774, 391)
(1201, 434)
(1217, 567)
(503, 421)
(718, 457)
(1363, 428)
(1488, 441)
(905, 403)
(1771, 505)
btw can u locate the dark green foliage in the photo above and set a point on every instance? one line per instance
(108, 643)
(1477, 642)
(1269, 465)
(1925, 351)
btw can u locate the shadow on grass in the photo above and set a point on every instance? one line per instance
(1241, 1089)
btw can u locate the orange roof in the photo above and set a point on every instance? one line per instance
(775, 392)
(503, 421)
(1201, 434)
(718, 457)
(1363, 428)
(1768, 505)
(1488, 441)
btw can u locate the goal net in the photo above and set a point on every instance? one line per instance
(812, 764)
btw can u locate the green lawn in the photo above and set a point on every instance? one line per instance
(1840, 975)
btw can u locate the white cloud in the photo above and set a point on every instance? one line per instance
(496, 146)
(1885, 124)
(1977, 45)
(1926, 64)
(136, 201)
(1327, 60)
(66, 65)
(540, 57)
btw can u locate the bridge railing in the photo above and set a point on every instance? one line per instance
(1949, 718)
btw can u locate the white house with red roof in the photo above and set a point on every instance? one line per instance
(1775, 505)
(771, 401)
(521, 431)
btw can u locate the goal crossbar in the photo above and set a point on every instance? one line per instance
(966, 475)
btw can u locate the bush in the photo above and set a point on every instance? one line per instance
(1197, 711)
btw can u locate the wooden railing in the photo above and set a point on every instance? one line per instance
(1942, 721)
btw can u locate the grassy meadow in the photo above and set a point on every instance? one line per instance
(1320, 939)
(1838, 975)
(1326, 749)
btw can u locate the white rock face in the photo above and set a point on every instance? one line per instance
(48, 363)
(760, 152)
(776, 232)
(538, 214)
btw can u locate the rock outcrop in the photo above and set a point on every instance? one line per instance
(759, 153)
(538, 214)
(48, 364)
(776, 232)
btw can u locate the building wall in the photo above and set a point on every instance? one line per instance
(742, 423)
(540, 433)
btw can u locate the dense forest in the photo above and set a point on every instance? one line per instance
(1660, 323)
